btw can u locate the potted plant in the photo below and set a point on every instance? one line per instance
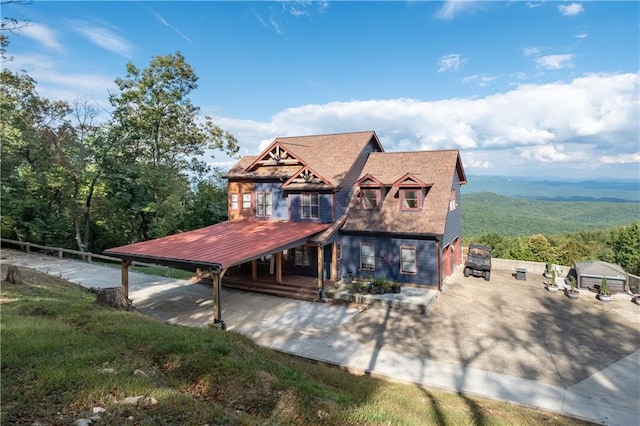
(552, 286)
(548, 270)
(604, 295)
(363, 287)
(573, 292)
(396, 287)
(636, 298)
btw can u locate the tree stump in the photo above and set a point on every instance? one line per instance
(113, 297)
(13, 275)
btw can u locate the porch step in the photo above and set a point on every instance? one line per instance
(284, 290)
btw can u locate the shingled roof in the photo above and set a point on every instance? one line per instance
(330, 156)
(436, 169)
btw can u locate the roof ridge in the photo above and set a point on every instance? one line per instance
(323, 134)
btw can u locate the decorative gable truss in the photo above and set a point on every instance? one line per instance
(276, 155)
(306, 177)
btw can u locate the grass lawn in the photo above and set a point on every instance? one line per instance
(62, 355)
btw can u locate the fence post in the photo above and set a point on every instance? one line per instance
(28, 245)
(60, 253)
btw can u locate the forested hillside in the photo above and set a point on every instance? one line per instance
(485, 212)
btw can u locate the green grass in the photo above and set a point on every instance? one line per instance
(62, 355)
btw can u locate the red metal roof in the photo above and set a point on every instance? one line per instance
(222, 245)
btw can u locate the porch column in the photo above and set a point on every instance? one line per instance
(124, 271)
(217, 305)
(254, 269)
(334, 261)
(279, 267)
(320, 267)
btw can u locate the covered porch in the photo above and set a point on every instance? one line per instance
(234, 248)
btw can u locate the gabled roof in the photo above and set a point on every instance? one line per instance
(221, 245)
(306, 178)
(330, 156)
(368, 181)
(434, 169)
(410, 180)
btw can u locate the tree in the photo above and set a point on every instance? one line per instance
(625, 243)
(160, 135)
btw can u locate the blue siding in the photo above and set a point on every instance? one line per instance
(389, 247)
(453, 227)
(280, 205)
(325, 206)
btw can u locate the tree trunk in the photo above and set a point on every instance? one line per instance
(113, 297)
(13, 275)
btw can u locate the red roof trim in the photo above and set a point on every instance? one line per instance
(408, 176)
(376, 184)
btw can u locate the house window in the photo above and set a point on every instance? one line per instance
(452, 200)
(367, 257)
(263, 204)
(310, 206)
(246, 201)
(339, 250)
(369, 198)
(410, 199)
(234, 201)
(408, 262)
(302, 256)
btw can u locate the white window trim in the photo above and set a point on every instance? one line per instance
(235, 201)
(246, 199)
(415, 261)
(310, 205)
(262, 203)
(371, 257)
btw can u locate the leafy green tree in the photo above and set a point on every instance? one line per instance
(160, 134)
(625, 243)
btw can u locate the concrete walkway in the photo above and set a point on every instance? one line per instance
(315, 331)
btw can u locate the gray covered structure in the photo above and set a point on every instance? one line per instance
(589, 275)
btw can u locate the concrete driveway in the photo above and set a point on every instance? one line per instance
(511, 327)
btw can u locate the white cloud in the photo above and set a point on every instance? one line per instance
(582, 35)
(570, 9)
(166, 24)
(529, 51)
(575, 124)
(472, 163)
(105, 38)
(57, 84)
(480, 80)
(43, 35)
(621, 158)
(452, 8)
(555, 62)
(450, 62)
(305, 7)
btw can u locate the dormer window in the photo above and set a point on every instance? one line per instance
(411, 199)
(369, 198)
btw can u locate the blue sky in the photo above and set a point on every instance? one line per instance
(523, 88)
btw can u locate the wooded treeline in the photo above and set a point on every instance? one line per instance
(74, 176)
(619, 245)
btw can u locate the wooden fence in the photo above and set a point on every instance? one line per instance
(82, 255)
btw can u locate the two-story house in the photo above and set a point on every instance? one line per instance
(313, 208)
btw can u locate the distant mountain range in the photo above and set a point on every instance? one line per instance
(596, 190)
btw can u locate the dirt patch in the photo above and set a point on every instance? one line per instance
(509, 326)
